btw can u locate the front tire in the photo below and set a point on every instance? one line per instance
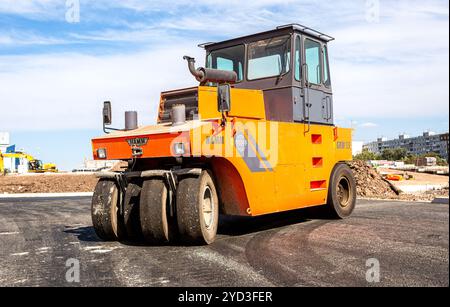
(197, 209)
(155, 219)
(341, 192)
(131, 212)
(108, 223)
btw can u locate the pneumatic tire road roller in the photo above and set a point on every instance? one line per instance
(255, 137)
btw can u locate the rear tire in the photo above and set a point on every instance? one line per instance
(197, 209)
(157, 226)
(341, 192)
(108, 223)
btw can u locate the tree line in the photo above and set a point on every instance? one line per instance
(398, 154)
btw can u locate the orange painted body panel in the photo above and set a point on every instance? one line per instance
(158, 146)
(245, 103)
(160, 141)
(260, 166)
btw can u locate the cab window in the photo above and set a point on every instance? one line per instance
(298, 65)
(230, 59)
(269, 57)
(312, 57)
(326, 69)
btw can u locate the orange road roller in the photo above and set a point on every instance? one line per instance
(255, 137)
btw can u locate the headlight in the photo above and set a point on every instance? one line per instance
(178, 149)
(101, 153)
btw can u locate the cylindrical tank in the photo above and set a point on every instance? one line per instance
(131, 120)
(178, 114)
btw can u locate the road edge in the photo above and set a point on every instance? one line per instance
(46, 195)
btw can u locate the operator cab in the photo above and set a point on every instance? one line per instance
(289, 64)
(35, 165)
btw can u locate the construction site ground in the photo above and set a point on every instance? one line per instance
(408, 239)
(47, 183)
(370, 184)
(418, 178)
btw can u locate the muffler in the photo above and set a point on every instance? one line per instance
(204, 75)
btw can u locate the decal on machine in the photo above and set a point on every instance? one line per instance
(137, 142)
(250, 153)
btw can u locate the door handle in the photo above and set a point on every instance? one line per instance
(324, 108)
(329, 111)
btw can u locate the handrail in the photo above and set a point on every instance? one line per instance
(309, 31)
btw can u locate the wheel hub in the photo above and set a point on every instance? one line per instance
(208, 207)
(343, 192)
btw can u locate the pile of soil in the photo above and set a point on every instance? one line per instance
(369, 183)
(42, 183)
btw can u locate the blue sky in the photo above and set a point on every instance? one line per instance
(389, 62)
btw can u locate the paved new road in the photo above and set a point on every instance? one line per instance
(409, 242)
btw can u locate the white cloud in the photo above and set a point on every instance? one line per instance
(21, 38)
(66, 91)
(398, 67)
(38, 9)
(368, 125)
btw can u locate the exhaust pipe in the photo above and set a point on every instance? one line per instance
(191, 65)
(204, 75)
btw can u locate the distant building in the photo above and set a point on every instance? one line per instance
(444, 140)
(12, 164)
(426, 143)
(95, 165)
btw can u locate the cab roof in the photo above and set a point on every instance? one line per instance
(289, 28)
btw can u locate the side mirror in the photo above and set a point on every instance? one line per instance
(107, 116)
(224, 97)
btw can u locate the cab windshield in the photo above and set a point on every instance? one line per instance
(269, 57)
(231, 59)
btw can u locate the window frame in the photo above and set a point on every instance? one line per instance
(320, 60)
(243, 64)
(325, 57)
(247, 60)
(298, 38)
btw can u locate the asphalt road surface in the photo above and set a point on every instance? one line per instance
(409, 242)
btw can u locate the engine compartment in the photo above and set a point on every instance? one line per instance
(188, 97)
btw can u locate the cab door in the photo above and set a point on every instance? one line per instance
(313, 103)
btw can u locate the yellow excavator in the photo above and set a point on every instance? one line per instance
(34, 165)
(2, 167)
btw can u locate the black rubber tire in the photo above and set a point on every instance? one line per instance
(131, 214)
(157, 226)
(342, 179)
(108, 223)
(190, 214)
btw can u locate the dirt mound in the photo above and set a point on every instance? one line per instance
(40, 183)
(369, 182)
